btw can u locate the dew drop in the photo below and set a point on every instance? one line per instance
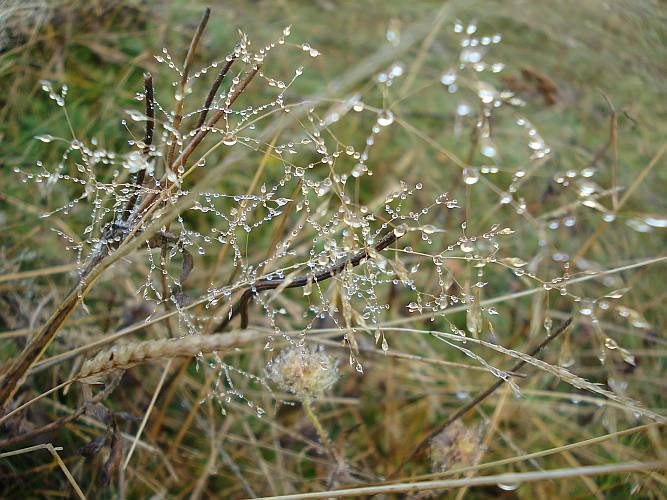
(470, 176)
(400, 230)
(385, 118)
(229, 139)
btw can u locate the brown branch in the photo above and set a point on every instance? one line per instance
(214, 91)
(419, 449)
(241, 306)
(196, 140)
(148, 140)
(180, 101)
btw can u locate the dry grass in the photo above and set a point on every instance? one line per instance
(418, 352)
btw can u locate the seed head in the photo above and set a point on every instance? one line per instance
(304, 371)
(456, 446)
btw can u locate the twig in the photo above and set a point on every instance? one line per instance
(196, 140)
(180, 101)
(241, 306)
(214, 91)
(148, 140)
(481, 397)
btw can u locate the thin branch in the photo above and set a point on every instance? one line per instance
(241, 306)
(477, 400)
(214, 91)
(196, 140)
(180, 101)
(148, 140)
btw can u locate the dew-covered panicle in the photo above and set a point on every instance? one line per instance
(299, 246)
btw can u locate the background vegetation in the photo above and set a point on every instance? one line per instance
(592, 78)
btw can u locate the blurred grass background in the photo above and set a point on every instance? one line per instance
(594, 53)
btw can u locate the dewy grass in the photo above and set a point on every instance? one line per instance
(417, 211)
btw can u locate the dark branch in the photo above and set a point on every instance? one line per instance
(214, 91)
(241, 306)
(148, 140)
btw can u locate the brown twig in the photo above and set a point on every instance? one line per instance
(477, 400)
(148, 140)
(196, 140)
(241, 306)
(214, 91)
(180, 101)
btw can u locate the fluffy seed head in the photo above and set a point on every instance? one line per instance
(304, 371)
(456, 446)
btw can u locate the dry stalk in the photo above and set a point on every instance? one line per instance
(128, 355)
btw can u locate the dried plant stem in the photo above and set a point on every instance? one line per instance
(324, 437)
(513, 478)
(126, 356)
(214, 90)
(165, 371)
(196, 140)
(180, 101)
(241, 306)
(477, 400)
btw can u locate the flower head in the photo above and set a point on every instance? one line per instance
(304, 371)
(456, 446)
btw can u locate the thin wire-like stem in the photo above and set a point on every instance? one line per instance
(147, 414)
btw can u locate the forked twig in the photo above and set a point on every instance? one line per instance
(241, 306)
(196, 140)
(477, 400)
